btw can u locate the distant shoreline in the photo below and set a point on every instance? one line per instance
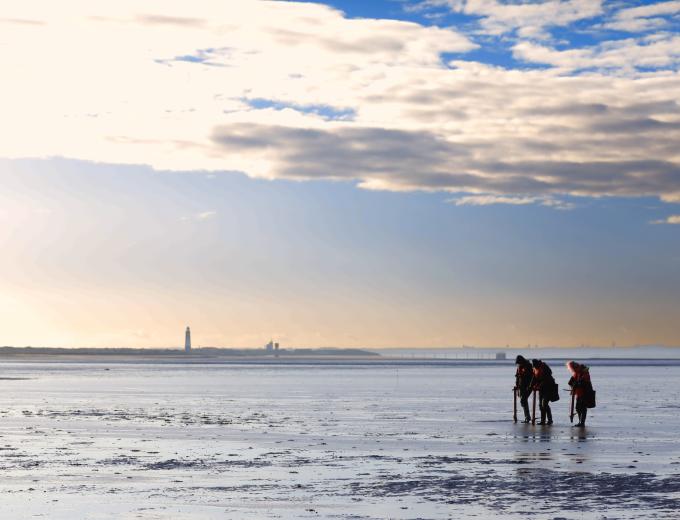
(178, 358)
(350, 357)
(202, 352)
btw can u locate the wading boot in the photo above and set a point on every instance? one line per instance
(527, 415)
(580, 420)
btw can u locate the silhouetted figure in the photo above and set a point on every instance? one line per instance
(523, 377)
(582, 389)
(544, 383)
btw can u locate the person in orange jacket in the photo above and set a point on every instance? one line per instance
(582, 388)
(544, 382)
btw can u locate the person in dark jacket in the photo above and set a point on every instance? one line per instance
(523, 377)
(582, 388)
(544, 383)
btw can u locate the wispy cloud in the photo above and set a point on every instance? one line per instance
(199, 217)
(487, 200)
(643, 18)
(528, 19)
(673, 219)
(622, 56)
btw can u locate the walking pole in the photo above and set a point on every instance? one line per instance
(533, 408)
(571, 412)
(514, 404)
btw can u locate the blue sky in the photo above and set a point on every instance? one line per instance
(496, 49)
(345, 174)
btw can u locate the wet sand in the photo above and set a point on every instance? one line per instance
(350, 442)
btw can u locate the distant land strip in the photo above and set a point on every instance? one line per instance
(320, 357)
(194, 352)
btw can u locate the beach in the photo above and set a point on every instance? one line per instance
(343, 440)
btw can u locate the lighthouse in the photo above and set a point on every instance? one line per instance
(187, 340)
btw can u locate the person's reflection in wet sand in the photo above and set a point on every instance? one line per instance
(579, 436)
(534, 436)
(527, 457)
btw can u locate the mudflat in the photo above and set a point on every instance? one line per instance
(350, 441)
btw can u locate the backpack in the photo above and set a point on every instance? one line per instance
(555, 392)
(590, 399)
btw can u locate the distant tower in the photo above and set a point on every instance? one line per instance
(187, 340)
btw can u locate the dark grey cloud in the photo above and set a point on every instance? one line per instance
(570, 109)
(636, 125)
(603, 109)
(597, 177)
(350, 153)
(668, 106)
(398, 159)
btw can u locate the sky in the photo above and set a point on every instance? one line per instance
(392, 173)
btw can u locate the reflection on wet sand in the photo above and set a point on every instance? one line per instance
(580, 434)
(294, 443)
(533, 456)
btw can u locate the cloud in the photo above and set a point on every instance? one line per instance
(344, 153)
(199, 217)
(635, 25)
(21, 21)
(528, 28)
(205, 215)
(288, 90)
(673, 219)
(180, 21)
(659, 51)
(671, 197)
(409, 160)
(652, 9)
(643, 18)
(528, 19)
(487, 200)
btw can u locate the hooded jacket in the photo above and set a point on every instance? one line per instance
(580, 379)
(542, 380)
(523, 375)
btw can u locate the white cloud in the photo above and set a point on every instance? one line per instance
(529, 19)
(557, 204)
(670, 197)
(653, 9)
(205, 215)
(635, 25)
(489, 199)
(673, 219)
(643, 18)
(171, 84)
(623, 56)
(124, 82)
(199, 217)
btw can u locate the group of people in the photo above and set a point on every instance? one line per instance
(536, 376)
